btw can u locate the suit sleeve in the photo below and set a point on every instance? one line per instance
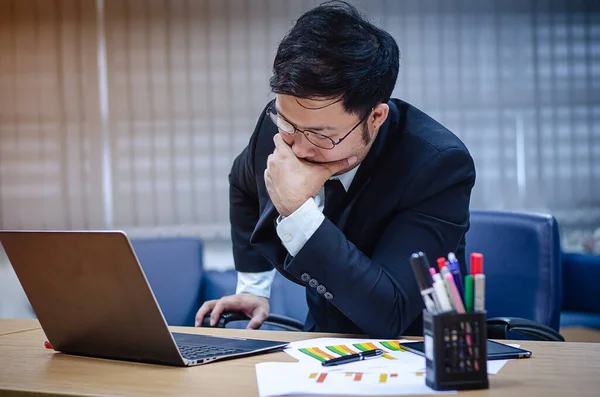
(244, 208)
(384, 299)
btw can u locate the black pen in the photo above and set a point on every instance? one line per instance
(420, 266)
(352, 357)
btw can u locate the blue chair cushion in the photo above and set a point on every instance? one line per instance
(173, 267)
(522, 264)
(580, 275)
(579, 319)
(218, 284)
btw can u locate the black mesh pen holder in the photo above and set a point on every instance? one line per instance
(455, 351)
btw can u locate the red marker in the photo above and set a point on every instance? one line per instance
(47, 345)
(441, 262)
(476, 263)
(478, 281)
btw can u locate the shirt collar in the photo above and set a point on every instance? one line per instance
(347, 177)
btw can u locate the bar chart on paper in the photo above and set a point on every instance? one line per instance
(332, 351)
(277, 379)
(364, 377)
(395, 358)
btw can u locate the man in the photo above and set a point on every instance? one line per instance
(340, 184)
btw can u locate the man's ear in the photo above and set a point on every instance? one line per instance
(378, 116)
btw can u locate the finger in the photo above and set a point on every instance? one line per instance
(270, 160)
(280, 145)
(219, 308)
(267, 177)
(278, 139)
(257, 319)
(203, 311)
(337, 166)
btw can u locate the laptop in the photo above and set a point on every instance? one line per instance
(91, 297)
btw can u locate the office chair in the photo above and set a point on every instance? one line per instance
(523, 275)
(173, 267)
(522, 264)
(580, 306)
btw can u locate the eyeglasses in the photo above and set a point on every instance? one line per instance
(319, 140)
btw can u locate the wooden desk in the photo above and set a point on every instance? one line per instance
(10, 326)
(556, 369)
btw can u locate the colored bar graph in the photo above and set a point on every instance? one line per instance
(322, 377)
(365, 346)
(393, 345)
(317, 353)
(341, 350)
(346, 348)
(329, 352)
(370, 346)
(357, 375)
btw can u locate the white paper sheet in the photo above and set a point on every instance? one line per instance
(279, 379)
(394, 359)
(494, 366)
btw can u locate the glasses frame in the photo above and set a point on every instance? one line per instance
(307, 133)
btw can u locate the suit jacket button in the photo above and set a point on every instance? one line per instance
(313, 283)
(321, 289)
(328, 296)
(305, 277)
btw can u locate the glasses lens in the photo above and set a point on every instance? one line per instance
(316, 139)
(280, 122)
(319, 140)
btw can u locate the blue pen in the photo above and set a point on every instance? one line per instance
(455, 270)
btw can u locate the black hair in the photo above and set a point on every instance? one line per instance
(333, 52)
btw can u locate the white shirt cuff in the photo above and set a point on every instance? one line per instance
(295, 230)
(258, 284)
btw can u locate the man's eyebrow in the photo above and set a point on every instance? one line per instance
(314, 128)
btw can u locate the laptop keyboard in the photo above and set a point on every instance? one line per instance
(198, 352)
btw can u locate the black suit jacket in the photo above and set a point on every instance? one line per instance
(411, 193)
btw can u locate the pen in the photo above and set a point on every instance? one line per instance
(420, 267)
(441, 262)
(445, 271)
(352, 357)
(455, 270)
(469, 293)
(440, 291)
(455, 296)
(479, 281)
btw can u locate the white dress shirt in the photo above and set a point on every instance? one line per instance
(293, 231)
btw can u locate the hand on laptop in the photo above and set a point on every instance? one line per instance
(255, 307)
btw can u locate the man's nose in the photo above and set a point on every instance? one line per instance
(301, 147)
